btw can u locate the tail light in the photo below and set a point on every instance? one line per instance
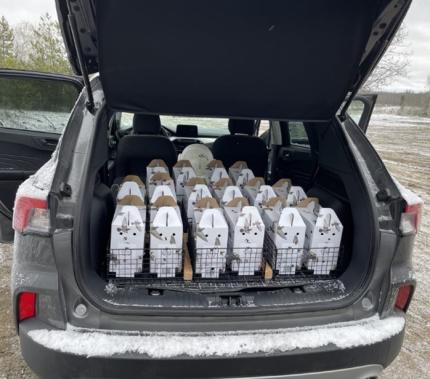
(404, 297)
(410, 221)
(26, 305)
(31, 214)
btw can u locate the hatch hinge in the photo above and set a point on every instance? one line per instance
(65, 190)
(72, 22)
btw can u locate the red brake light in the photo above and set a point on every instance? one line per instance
(403, 298)
(24, 208)
(26, 305)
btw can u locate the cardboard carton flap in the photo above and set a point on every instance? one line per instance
(182, 163)
(157, 163)
(254, 182)
(238, 202)
(194, 181)
(222, 183)
(282, 182)
(207, 203)
(132, 200)
(134, 178)
(165, 201)
(239, 165)
(215, 163)
(160, 176)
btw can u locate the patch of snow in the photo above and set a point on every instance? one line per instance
(38, 185)
(91, 342)
(410, 197)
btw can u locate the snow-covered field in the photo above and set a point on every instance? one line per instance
(404, 144)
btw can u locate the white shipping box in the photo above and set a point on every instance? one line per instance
(217, 174)
(210, 233)
(235, 170)
(246, 238)
(181, 179)
(130, 189)
(293, 194)
(251, 189)
(127, 242)
(244, 177)
(286, 230)
(160, 179)
(230, 193)
(162, 196)
(199, 192)
(212, 165)
(166, 238)
(323, 236)
(264, 194)
(179, 166)
(156, 165)
(282, 187)
(219, 187)
(189, 186)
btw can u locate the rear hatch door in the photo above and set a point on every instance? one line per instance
(271, 59)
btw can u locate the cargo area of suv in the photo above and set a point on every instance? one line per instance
(324, 169)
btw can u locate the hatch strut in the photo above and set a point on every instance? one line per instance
(82, 66)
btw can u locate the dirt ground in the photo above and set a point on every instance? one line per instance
(404, 144)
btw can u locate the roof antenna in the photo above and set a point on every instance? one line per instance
(82, 66)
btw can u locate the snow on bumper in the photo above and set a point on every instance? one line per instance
(100, 343)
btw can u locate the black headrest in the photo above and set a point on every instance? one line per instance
(146, 124)
(186, 131)
(236, 126)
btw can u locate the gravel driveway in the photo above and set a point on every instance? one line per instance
(404, 144)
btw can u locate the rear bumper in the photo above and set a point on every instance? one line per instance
(325, 362)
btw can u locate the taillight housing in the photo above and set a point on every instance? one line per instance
(31, 214)
(410, 222)
(26, 305)
(404, 297)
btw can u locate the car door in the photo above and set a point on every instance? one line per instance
(34, 109)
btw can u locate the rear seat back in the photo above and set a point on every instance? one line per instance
(137, 150)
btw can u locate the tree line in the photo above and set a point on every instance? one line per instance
(33, 46)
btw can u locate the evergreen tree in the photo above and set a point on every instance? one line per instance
(7, 52)
(46, 48)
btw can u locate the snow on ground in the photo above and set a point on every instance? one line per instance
(168, 345)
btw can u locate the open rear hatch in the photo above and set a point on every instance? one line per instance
(272, 59)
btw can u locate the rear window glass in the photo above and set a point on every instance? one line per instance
(36, 104)
(207, 127)
(298, 135)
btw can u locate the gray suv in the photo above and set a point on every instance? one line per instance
(286, 73)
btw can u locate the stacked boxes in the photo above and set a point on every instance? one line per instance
(127, 240)
(166, 236)
(323, 236)
(210, 233)
(286, 229)
(226, 233)
(182, 172)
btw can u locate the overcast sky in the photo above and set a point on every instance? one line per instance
(417, 23)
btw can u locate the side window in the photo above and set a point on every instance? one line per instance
(298, 135)
(41, 105)
(264, 127)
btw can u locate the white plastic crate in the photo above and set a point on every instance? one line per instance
(323, 236)
(246, 238)
(199, 192)
(230, 193)
(250, 190)
(127, 242)
(235, 169)
(210, 233)
(286, 231)
(219, 187)
(166, 239)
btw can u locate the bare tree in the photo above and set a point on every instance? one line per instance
(394, 64)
